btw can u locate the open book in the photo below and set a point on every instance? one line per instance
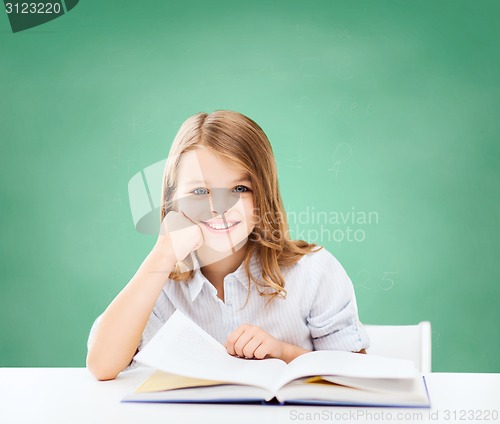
(193, 367)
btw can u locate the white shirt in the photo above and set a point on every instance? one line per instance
(319, 311)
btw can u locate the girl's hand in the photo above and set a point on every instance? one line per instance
(251, 342)
(179, 236)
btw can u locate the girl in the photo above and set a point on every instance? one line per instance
(225, 259)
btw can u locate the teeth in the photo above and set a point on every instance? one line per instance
(219, 226)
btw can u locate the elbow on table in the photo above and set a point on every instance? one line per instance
(99, 372)
(102, 375)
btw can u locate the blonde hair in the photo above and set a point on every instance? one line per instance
(237, 138)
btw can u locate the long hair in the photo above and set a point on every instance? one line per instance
(239, 140)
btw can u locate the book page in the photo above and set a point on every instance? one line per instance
(409, 388)
(348, 364)
(322, 392)
(161, 380)
(181, 347)
(217, 393)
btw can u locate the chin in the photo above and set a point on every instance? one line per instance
(224, 245)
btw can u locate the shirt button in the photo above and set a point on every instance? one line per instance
(229, 303)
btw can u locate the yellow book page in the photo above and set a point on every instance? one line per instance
(160, 380)
(316, 380)
(319, 380)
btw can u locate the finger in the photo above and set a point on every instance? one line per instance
(261, 351)
(251, 346)
(201, 241)
(232, 338)
(241, 343)
(187, 217)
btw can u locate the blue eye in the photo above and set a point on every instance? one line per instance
(200, 191)
(241, 189)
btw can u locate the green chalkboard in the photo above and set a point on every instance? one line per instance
(384, 121)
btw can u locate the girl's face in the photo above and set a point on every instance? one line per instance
(216, 196)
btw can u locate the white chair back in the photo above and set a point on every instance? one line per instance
(402, 341)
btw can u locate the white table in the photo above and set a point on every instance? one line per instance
(73, 395)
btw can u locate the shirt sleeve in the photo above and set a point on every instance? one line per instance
(333, 320)
(152, 326)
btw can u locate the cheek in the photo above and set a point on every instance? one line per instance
(195, 208)
(248, 211)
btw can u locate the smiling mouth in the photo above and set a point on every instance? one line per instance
(220, 225)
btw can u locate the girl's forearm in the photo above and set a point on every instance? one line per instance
(290, 352)
(119, 331)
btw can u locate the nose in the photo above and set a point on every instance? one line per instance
(222, 199)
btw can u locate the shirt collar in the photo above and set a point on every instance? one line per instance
(199, 280)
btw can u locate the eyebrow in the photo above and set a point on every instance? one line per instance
(239, 180)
